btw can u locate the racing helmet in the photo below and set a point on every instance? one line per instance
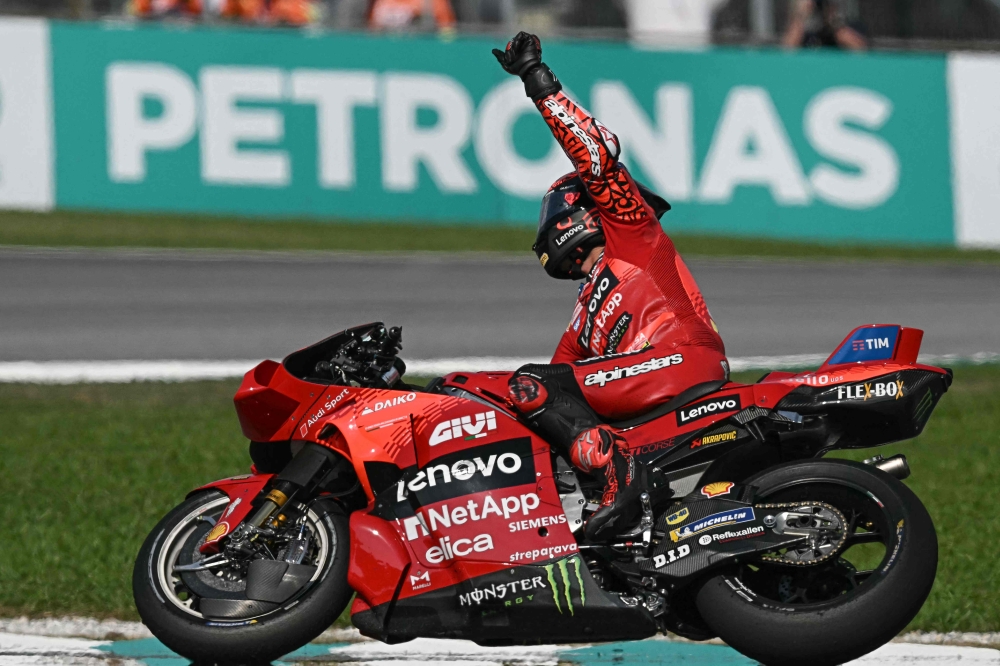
(569, 226)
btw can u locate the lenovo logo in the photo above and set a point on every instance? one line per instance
(700, 410)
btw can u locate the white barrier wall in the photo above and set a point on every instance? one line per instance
(26, 144)
(974, 96)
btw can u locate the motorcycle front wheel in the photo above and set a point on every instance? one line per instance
(841, 608)
(175, 604)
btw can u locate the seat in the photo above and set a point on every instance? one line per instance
(689, 395)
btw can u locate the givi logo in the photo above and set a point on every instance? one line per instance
(455, 428)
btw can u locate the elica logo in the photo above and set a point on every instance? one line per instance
(563, 116)
(609, 309)
(869, 390)
(561, 583)
(455, 428)
(505, 592)
(431, 520)
(569, 234)
(323, 411)
(462, 470)
(700, 410)
(730, 517)
(602, 377)
(392, 402)
(449, 550)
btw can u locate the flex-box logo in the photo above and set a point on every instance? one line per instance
(465, 425)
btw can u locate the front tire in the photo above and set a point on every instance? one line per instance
(176, 621)
(834, 612)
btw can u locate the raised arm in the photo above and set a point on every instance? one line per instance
(591, 146)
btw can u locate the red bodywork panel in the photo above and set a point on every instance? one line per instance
(241, 490)
(471, 489)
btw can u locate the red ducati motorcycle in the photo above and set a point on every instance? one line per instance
(445, 516)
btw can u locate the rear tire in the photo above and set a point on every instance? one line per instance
(257, 640)
(867, 613)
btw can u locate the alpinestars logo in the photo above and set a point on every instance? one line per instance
(392, 402)
(561, 583)
(700, 410)
(455, 428)
(602, 377)
(561, 114)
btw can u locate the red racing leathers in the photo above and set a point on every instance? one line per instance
(640, 333)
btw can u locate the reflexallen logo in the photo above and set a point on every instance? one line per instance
(561, 583)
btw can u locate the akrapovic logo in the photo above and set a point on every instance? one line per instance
(470, 427)
(563, 116)
(700, 410)
(602, 377)
(569, 234)
(604, 284)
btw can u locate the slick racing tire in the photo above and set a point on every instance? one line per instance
(838, 610)
(170, 609)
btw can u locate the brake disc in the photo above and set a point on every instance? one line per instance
(822, 525)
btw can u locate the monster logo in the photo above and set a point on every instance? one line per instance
(567, 583)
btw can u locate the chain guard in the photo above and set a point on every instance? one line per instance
(824, 542)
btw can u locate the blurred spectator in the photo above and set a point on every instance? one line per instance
(666, 23)
(286, 12)
(407, 14)
(816, 23)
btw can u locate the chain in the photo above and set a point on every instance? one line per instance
(837, 547)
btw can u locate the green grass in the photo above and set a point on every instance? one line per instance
(80, 229)
(88, 470)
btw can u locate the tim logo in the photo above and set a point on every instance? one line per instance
(706, 408)
(873, 343)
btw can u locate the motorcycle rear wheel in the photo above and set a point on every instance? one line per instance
(164, 602)
(829, 613)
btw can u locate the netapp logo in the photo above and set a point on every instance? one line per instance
(700, 410)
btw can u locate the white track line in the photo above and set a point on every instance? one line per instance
(74, 372)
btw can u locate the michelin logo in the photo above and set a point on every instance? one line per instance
(731, 517)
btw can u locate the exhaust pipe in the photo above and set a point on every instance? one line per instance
(896, 465)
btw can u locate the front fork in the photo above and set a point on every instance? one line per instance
(301, 478)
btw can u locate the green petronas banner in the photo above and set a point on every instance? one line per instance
(280, 123)
(561, 578)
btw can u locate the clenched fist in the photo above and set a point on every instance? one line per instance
(523, 58)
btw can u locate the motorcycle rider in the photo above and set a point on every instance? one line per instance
(640, 333)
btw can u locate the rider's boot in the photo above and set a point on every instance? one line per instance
(602, 449)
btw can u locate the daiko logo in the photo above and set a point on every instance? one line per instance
(392, 402)
(472, 427)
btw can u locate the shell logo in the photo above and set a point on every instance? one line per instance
(717, 489)
(217, 532)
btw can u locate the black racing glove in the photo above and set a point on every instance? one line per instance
(523, 58)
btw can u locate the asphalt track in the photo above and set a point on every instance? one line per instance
(115, 305)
